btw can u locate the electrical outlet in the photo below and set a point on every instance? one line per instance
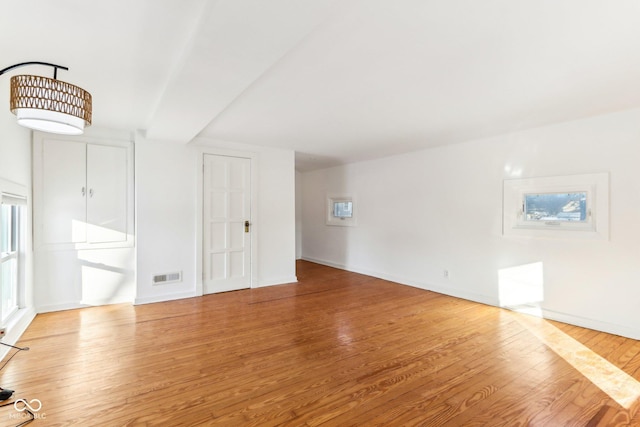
(445, 274)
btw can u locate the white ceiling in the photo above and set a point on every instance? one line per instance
(335, 80)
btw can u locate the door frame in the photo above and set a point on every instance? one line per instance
(253, 157)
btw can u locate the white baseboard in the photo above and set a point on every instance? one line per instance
(164, 297)
(583, 322)
(60, 307)
(327, 263)
(596, 325)
(457, 293)
(107, 301)
(82, 304)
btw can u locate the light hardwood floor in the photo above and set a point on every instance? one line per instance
(336, 349)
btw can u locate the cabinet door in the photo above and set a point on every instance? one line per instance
(106, 194)
(64, 189)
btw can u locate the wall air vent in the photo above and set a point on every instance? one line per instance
(161, 279)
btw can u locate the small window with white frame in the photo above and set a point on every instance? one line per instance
(340, 210)
(555, 206)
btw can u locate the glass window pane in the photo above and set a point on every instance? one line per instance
(556, 207)
(15, 221)
(9, 279)
(343, 209)
(9, 246)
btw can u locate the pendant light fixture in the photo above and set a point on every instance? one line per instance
(49, 105)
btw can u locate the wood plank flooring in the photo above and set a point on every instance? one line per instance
(335, 349)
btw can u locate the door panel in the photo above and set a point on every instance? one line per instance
(106, 185)
(64, 190)
(227, 205)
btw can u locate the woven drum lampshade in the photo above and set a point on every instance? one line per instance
(50, 105)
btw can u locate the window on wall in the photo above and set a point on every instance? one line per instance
(574, 206)
(340, 210)
(11, 238)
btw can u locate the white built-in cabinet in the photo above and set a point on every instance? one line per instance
(82, 194)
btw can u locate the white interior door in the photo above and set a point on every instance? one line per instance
(227, 227)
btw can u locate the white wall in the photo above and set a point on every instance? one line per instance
(166, 179)
(168, 215)
(15, 150)
(276, 217)
(421, 213)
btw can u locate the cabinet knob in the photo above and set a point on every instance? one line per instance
(83, 191)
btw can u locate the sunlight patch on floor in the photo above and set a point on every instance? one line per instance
(620, 386)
